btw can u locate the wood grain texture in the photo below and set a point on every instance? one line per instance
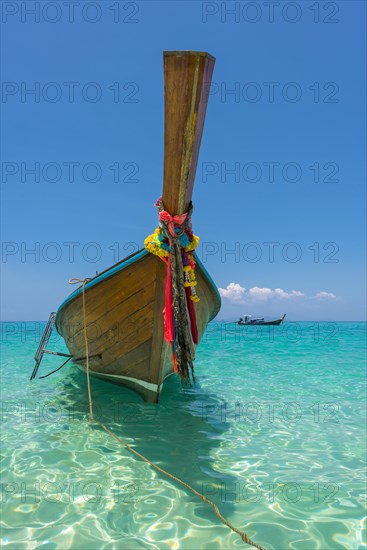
(127, 329)
(187, 78)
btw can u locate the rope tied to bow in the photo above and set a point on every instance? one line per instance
(242, 534)
(75, 281)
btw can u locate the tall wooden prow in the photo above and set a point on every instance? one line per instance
(187, 78)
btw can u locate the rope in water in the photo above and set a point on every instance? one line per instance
(242, 534)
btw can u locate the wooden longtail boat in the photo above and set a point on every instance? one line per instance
(124, 304)
(246, 320)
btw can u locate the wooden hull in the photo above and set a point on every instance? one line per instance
(124, 315)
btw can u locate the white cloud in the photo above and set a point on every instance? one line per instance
(237, 294)
(325, 296)
(234, 293)
(280, 293)
(260, 294)
(264, 294)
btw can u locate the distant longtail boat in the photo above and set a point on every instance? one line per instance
(248, 320)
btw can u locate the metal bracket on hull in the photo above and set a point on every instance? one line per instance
(41, 350)
(43, 343)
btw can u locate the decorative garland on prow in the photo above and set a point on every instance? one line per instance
(174, 242)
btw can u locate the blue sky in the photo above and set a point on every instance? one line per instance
(281, 173)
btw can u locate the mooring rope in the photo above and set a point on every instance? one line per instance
(242, 534)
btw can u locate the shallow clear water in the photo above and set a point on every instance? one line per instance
(273, 432)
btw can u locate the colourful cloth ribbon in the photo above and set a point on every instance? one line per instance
(165, 216)
(174, 242)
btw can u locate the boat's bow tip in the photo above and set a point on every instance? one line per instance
(188, 52)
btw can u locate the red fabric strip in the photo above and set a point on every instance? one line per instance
(169, 329)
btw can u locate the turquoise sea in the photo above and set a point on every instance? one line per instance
(273, 432)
